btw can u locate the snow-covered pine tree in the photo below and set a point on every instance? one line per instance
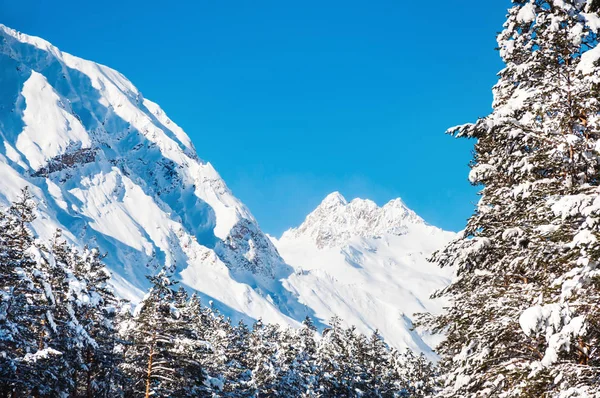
(412, 375)
(305, 363)
(288, 382)
(296, 361)
(211, 332)
(190, 347)
(377, 366)
(49, 310)
(263, 350)
(26, 363)
(97, 307)
(21, 214)
(333, 362)
(356, 375)
(235, 349)
(74, 315)
(158, 361)
(525, 314)
(77, 321)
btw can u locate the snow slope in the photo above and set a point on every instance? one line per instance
(112, 170)
(367, 264)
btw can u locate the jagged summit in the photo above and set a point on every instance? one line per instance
(336, 220)
(334, 199)
(367, 264)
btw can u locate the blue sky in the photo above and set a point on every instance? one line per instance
(293, 100)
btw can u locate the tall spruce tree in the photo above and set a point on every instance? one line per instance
(64, 332)
(334, 362)
(101, 375)
(296, 361)
(25, 361)
(237, 373)
(525, 314)
(305, 363)
(412, 375)
(263, 350)
(377, 367)
(162, 357)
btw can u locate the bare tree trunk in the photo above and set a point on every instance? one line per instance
(149, 373)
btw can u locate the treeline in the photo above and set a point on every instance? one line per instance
(64, 333)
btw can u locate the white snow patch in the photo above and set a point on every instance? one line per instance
(527, 13)
(46, 112)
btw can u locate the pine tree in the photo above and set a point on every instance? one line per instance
(525, 319)
(190, 348)
(211, 332)
(377, 367)
(15, 289)
(64, 332)
(306, 366)
(26, 363)
(263, 351)
(357, 376)
(53, 298)
(305, 363)
(97, 311)
(333, 362)
(412, 375)
(296, 361)
(160, 360)
(237, 373)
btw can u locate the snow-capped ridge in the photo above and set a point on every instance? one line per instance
(112, 170)
(367, 264)
(336, 220)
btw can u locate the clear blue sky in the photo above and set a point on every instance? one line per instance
(291, 100)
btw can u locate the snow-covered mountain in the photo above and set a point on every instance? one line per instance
(367, 264)
(109, 168)
(112, 170)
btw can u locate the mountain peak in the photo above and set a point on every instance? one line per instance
(334, 199)
(396, 203)
(114, 171)
(336, 220)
